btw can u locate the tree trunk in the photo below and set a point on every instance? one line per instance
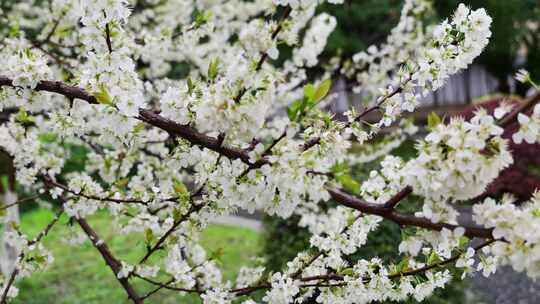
(8, 254)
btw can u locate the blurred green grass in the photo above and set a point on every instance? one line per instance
(79, 275)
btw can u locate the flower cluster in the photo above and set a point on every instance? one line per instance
(456, 162)
(518, 226)
(382, 185)
(451, 47)
(256, 37)
(112, 79)
(188, 262)
(314, 40)
(303, 3)
(25, 65)
(109, 71)
(340, 231)
(370, 68)
(283, 290)
(32, 257)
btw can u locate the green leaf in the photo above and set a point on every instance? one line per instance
(347, 271)
(4, 181)
(176, 214)
(463, 242)
(63, 31)
(295, 109)
(103, 96)
(217, 254)
(433, 258)
(309, 92)
(403, 265)
(139, 127)
(322, 90)
(179, 187)
(349, 183)
(14, 225)
(190, 85)
(3, 211)
(148, 236)
(47, 137)
(122, 183)
(14, 29)
(213, 69)
(23, 117)
(39, 259)
(311, 96)
(433, 120)
(202, 18)
(339, 168)
(28, 53)
(405, 234)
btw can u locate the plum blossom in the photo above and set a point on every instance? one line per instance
(529, 127)
(282, 291)
(184, 114)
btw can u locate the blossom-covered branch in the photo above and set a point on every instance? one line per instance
(214, 144)
(243, 126)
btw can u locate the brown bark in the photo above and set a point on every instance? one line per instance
(111, 261)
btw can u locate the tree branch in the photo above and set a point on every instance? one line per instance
(10, 282)
(23, 200)
(108, 38)
(59, 87)
(337, 277)
(47, 228)
(214, 144)
(522, 108)
(392, 203)
(53, 184)
(192, 209)
(111, 261)
(400, 218)
(192, 135)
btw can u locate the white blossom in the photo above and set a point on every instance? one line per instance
(186, 111)
(282, 291)
(529, 127)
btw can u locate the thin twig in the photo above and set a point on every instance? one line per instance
(337, 277)
(53, 183)
(398, 197)
(23, 200)
(20, 258)
(192, 209)
(264, 55)
(108, 35)
(14, 273)
(47, 228)
(524, 107)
